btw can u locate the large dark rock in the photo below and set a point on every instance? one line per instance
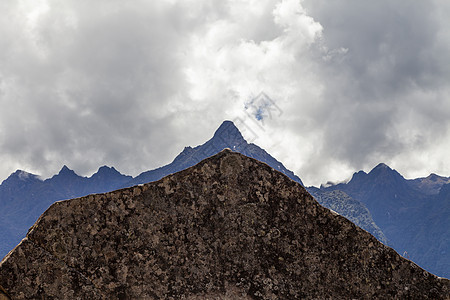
(230, 227)
(3, 294)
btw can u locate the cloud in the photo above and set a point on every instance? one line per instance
(89, 83)
(388, 94)
(129, 84)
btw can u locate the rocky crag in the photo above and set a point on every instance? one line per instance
(230, 227)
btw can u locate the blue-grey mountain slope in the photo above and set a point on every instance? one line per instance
(24, 197)
(349, 208)
(430, 185)
(415, 221)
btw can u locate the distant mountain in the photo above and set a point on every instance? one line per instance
(107, 179)
(384, 191)
(430, 244)
(24, 197)
(415, 221)
(226, 136)
(15, 199)
(430, 185)
(349, 208)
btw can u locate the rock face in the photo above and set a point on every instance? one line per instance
(4, 294)
(228, 228)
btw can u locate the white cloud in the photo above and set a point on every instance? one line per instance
(130, 84)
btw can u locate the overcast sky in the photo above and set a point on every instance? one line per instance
(129, 84)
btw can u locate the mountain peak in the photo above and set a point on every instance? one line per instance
(108, 179)
(21, 175)
(434, 177)
(358, 177)
(382, 166)
(360, 173)
(106, 169)
(384, 172)
(65, 171)
(107, 172)
(228, 132)
(226, 136)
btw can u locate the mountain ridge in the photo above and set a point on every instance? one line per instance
(415, 221)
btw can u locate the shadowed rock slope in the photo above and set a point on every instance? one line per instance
(3, 294)
(230, 227)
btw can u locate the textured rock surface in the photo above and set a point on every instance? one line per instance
(230, 227)
(3, 294)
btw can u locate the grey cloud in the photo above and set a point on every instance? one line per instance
(98, 90)
(384, 98)
(129, 84)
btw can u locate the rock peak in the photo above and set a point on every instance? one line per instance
(228, 132)
(106, 169)
(20, 175)
(381, 168)
(65, 171)
(107, 173)
(435, 177)
(383, 173)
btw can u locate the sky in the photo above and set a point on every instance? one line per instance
(346, 84)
